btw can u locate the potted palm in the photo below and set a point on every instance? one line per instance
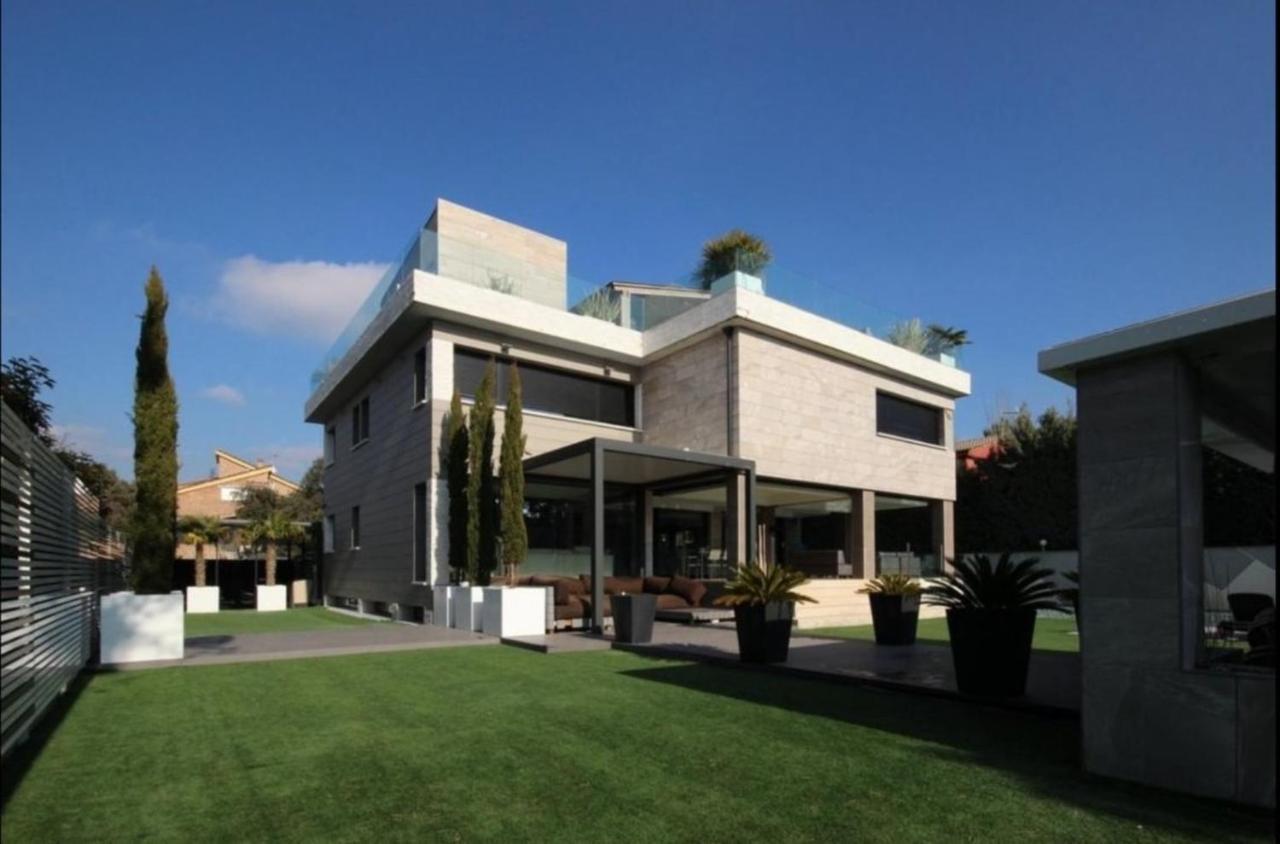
(991, 618)
(269, 532)
(895, 608)
(199, 531)
(764, 606)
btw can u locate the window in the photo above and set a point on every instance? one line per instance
(355, 528)
(330, 524)
(899, 417)
(420, 533)
(550, 390)
(231, 493)
(420, 376)
(360, 422)
(330, 445)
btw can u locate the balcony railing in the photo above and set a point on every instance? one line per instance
(506, 273)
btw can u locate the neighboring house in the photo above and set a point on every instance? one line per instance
(220, 495)
(1161, 704)
(969, 452)
(684, 431)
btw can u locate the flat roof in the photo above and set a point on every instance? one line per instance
(1061, 362)
(430, 297)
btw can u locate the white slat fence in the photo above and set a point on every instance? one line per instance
(56, 558)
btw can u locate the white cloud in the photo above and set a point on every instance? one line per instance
(312, 300)
(225, 394)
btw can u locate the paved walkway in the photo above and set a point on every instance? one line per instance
(265, 647)
(1053, 684)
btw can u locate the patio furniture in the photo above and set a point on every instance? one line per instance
(1245, 607)
(633, 617)
(569, 597)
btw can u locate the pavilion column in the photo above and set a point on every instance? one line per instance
(646, 520)
(860, 533)
(597, 537)
(944, 533)
(736, 521)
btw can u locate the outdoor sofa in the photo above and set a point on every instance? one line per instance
(678, 598)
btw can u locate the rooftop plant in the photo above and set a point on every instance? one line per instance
(893, 584)
(733, 250)
(977, 583)
(756, 585)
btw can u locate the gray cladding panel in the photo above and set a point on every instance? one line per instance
(378, 476)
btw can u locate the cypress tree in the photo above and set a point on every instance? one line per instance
(457, 457)
(155, 450)
(482, 521)
(515, 536)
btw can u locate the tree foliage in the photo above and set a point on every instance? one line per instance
(307, 504)
(269, 531)
(22, 380)
(733, 250)
(457, 456)
(1025, 491)
(482, 510)
(515, 535)
(200, 531)
(155, 450)
(115, 496)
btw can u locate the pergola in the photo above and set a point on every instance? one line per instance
(598, 460)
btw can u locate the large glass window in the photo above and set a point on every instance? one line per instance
(905, 540)
(899, 417)
(550, 390)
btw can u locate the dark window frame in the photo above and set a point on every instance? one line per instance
(420, 376)
(906, 428)
(354, 534)
(614, 401)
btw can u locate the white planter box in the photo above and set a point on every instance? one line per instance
(300, 593)
(141, 628)
(271, 598)
(468, 608)
(442, 598)
(515, 611)
(202, 598)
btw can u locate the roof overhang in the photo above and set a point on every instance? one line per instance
(630, 463)
(431, 297)
(1232, 345)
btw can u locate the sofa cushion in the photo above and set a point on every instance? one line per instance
(573, 608)
(656, 585)
(688, 588)
(618, 585)
(669, 601)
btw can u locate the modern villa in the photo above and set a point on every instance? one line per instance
(671, 429)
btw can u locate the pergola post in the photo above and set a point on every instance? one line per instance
(597, 537)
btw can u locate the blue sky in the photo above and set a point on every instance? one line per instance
(1032, 172)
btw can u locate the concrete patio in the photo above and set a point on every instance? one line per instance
(1053, 685)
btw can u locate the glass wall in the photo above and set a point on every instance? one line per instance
(558, 517)
(905, 540)
(805, 528)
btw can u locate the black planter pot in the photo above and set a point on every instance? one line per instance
(764, 631)
(895, 618)
(991, 650)
(633, 617)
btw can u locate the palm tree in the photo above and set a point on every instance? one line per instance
(199, 531)
(269, 531)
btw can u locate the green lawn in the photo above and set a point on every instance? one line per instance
(499, 744)
(233, 622)
(1052, 634)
